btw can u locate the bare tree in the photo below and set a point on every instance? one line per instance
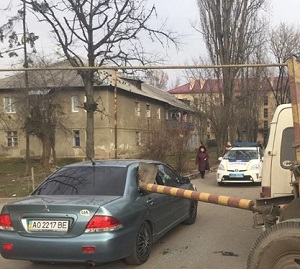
(15, 41)
(157, 78)
(251, 87)
(175, 82)
(39, 112)
(229, 28)
(18, 41)
(107, 31)
(284, 42)
(158, 145)
(248, 102)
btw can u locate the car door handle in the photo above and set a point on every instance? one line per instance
(150, 201)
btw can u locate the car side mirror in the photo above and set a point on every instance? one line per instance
(185, 180)
(220, 159)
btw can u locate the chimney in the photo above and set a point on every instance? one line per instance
(192, 83)
(202, 82)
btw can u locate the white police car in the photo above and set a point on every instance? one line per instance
(242, 164)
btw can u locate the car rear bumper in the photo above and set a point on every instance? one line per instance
(108, 247)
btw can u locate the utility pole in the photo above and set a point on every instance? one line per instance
(26, 85)
(116, 111)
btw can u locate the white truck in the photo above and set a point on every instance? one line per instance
(278, 209)
(279, 155)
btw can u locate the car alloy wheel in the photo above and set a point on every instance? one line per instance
(142, 247)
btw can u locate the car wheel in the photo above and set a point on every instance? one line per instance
(192, 213)
(142, 245)
(276, 248)
(220, 183)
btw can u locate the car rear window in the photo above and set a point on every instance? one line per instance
(85, 181)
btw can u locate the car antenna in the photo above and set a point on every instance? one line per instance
(93, 163)
(86, 154)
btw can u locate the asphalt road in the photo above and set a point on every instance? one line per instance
(220, 238)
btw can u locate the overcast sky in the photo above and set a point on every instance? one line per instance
(179, 15)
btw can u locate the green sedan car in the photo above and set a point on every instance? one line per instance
(93, 213)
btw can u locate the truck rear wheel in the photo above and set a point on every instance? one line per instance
(277, 248)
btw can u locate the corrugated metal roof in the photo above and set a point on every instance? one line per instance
(44, 78)
(72, 79)
(146, 90)
(166, 97)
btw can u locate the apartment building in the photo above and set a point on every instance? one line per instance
(122, 117)
(202, 93)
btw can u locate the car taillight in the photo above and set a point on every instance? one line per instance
(5, 222)
(102, 224)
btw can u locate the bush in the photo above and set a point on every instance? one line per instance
(212, 143)
(164, 143)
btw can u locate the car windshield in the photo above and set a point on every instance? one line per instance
(241, 154)
(85, 181)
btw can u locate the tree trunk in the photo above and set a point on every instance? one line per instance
(46, 151)
(90, 151)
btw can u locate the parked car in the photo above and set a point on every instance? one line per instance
(241, 165)
(94, 212)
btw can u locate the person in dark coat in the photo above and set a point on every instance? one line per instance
(202, 160)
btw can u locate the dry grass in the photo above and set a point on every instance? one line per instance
(14, 182)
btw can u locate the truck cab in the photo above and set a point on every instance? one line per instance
(279, 154)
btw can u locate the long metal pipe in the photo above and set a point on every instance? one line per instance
(143, 67)
(200, 196)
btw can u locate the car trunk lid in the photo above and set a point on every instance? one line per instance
(52, 216)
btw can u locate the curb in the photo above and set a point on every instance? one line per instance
(195, 173)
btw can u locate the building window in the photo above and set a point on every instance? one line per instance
(12, 138)
(265, 112)
(75, 103)
(9, 105)
(265, 100)
(138, 138)
(137, 109)
(148, 111)
(76, 135)
(266, 125)
(158, 113)
(167, 115)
